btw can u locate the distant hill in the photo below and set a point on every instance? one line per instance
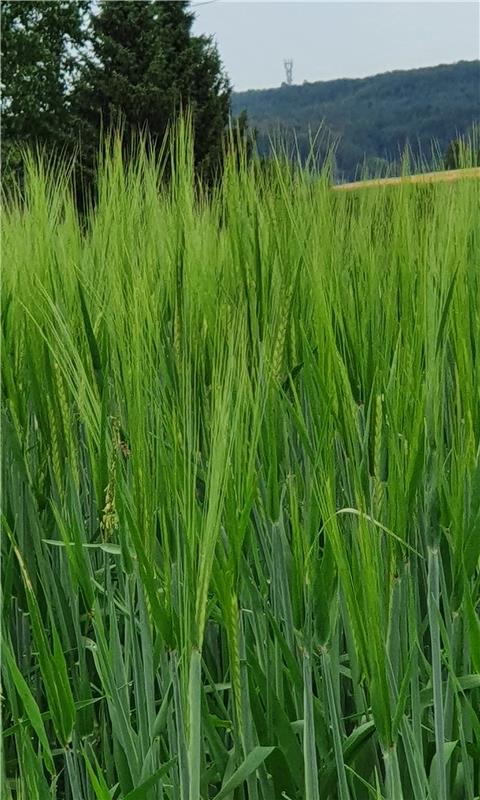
(373, 118)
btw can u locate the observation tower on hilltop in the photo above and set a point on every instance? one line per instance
(288, 64)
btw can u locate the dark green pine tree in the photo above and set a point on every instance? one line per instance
(147, 65)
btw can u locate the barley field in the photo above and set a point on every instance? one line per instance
(241, 487)
(426, 177)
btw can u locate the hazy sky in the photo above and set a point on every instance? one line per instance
(335, 39)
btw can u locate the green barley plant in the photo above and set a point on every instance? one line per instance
(241, 486)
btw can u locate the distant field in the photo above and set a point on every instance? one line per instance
(240, 488)
(427, 177)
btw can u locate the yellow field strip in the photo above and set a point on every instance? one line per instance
(427, 177)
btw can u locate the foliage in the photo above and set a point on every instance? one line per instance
(41, 46)
(241, 487)
(460, 150)
(371, 118)
(145, 65)
(69, 76)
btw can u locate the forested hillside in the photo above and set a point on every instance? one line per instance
(372, 119)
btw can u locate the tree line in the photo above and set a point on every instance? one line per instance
(371, 121)
(73, 70)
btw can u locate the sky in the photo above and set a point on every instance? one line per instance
(328, 40)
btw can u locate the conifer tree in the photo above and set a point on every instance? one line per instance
(146, 65)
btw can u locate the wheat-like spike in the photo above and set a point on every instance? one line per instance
(293, 344)
(55, 450)
(277, 359)
(109, 513)
(66, 417)
(177, 337)
(235, 656)
(379, 489)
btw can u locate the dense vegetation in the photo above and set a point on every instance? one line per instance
(72, 70)
(241, 488)
(374, 118)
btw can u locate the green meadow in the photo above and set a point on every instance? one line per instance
(241, 486)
